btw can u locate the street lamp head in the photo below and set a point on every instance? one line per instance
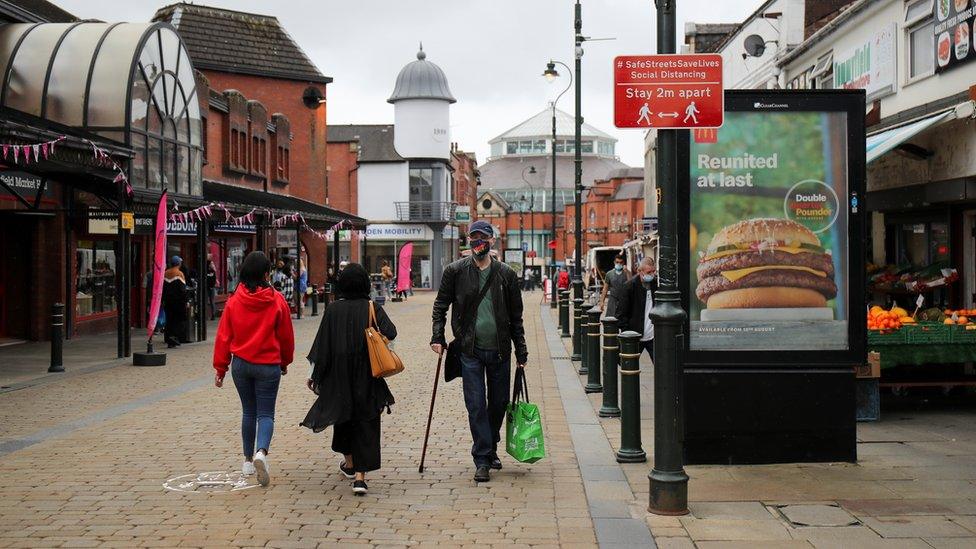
(550, 73)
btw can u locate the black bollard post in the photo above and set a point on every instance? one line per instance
(315, 301)
(630, 435)
(593, 352)
(578, 320)
(564, 313)
(559, 311)
(584, 337)
(611, 359)
(57, 338)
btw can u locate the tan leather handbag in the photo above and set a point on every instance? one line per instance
(382, 360)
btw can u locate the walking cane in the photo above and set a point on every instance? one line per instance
(430, 415)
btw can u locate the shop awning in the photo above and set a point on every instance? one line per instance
(243, 200)
(884, 141)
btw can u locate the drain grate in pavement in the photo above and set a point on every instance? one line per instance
(817, 515)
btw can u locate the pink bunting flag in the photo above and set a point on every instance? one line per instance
(6, 149)
(43, 149)
(27, 151)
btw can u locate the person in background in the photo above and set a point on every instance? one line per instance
(256, 339)
(278, 276)
(634, 308)
(174, 302)
(349, 397)
(615, 280)
(302, 281)
(562, 281)
(527, 276)
(212, 286)
(387, 272)
(487, 335)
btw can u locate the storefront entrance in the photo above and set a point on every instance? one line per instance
(14, 280)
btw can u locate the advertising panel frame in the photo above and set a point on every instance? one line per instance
(852, 103)
(778, 406)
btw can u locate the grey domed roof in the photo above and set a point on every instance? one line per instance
(421, 79)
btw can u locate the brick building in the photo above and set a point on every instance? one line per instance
(465, 180)
(265, 125)
(612, 209)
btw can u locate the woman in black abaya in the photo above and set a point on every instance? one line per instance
(349, 397)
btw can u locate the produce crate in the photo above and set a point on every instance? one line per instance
(887, 337)
(959, 334)
(928, 332)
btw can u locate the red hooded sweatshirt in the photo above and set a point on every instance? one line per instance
(255, 326)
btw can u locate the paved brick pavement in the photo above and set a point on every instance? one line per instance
(83, 461)
(914, 486)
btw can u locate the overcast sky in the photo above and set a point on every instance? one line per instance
(493, 52)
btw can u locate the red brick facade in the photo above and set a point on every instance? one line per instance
(465, 181)
(290, 159)
(608, 220)
(342, 184)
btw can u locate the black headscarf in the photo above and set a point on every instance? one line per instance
(353, 282)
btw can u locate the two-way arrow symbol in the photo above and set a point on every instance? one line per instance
(668, 114)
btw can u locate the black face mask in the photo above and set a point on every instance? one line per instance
(480, 247)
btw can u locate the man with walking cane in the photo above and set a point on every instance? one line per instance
(485, 299)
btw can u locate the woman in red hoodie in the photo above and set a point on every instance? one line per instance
(256, 338)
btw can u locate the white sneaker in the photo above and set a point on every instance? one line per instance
(247, 468)
(262, 469)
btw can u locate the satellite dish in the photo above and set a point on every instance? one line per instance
(755, 45)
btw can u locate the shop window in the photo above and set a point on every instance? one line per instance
(920, 39)
(95, 277)
(282, 148)
(236, 250)
(511, 147)
(586, 146)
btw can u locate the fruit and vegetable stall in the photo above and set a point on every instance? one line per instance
(929, 336)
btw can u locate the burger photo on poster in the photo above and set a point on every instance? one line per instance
(765, 263)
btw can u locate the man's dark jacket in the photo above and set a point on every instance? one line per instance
(630, 309)
(460, 284)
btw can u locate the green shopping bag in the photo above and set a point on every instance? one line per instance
(523, 424)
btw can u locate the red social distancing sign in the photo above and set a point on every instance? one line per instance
(668, 91)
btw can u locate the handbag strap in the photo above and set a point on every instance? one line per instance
(372, 317)
(481, 295)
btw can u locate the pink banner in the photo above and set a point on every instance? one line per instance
(403, 267)
(159, 265)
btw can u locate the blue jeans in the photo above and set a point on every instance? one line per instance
(486, 377)
(257, 384)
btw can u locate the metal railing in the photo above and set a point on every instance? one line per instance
(425, 211)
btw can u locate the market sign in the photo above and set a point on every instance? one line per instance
(668, 91)
(954, 21)
(869, 66)
(144, 225)
(24, 184)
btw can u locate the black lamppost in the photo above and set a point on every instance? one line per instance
(531, 171)
(668, 480)
(551, 74)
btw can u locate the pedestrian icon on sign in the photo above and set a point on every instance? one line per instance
(691, 112)
(645, 115)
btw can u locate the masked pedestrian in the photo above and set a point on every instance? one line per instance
(485, 299)
(634, 309)
(614, 281)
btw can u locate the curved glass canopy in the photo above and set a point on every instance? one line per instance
(131, 82)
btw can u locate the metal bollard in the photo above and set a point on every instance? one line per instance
(315, 301)
(577, 329)
(584, 339)
(611, 360)
(564, 313)
(57, 338)
(559, 312)
(630, 435)
(593, 352)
